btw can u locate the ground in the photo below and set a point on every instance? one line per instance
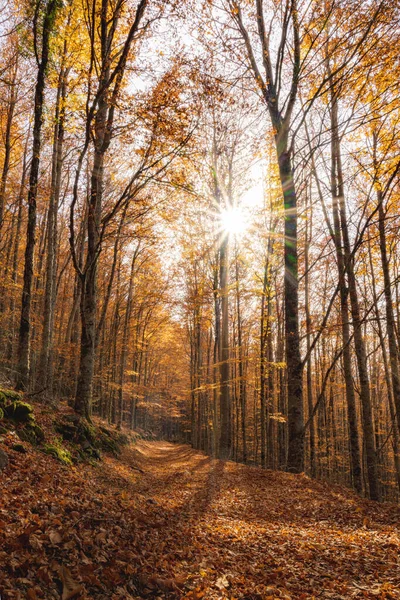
(165, 521)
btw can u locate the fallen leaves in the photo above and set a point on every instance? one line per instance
(189, 528)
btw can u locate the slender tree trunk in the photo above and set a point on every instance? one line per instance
(15, 259)
(25, 323)
(88, 304)
(216, 357)
(124, 348)
(310, 403)
(242, 383)
(225, 440)
(390, 321)
(7, 141)
(46, 358)
(365, 395)
(263, 336)
(345, 323)
(388, 374)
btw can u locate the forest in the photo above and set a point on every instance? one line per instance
(199, 250)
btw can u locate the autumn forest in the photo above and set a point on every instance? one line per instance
(199, 244)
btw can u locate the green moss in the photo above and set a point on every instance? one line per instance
(10, 394)
(111, 441)
(22, 412)
(14, 408)
(31, 433)
(75, 429)
(38, 431)
(58, 452)
(1, 413)
(89, 441)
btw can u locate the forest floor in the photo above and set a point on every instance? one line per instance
(188, 527)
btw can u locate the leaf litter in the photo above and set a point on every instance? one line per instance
(164, 521)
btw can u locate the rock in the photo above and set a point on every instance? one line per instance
(31, 433)
(12, 407)
(22, 412)
(61, 454)
(11, 394)
(3, 460)
(19, 448)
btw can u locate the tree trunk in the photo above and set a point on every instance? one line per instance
(23, 372)
(46, 358)
(365, 395)
(7, 141)
(295, 459)
(310, 403)
(390, 321)
(124, 348)
(242, 383)
(225, 440)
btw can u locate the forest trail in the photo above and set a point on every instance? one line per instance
(235, 531)
(164, 521)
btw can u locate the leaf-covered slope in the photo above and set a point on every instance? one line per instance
(163, 521)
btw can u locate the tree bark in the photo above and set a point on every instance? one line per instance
(46, 355)
(225, 440)
(23, 372)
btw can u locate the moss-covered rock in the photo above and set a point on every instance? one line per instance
(111, 441)
(75, 429)
(88, 439)
(10, 394)
(13, 407)
(58, 452)
(22, 412)
(16, 411)
(19, 448)
(31, 433)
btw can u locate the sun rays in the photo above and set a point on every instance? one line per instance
(233, 221)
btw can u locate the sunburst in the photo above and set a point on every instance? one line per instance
(233, 220)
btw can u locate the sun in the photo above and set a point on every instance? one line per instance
(233, 220)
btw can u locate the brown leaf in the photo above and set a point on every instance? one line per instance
(163, 583)
(71, 588)
(55, 537)
(222, 582)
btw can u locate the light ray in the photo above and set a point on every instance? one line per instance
(233, 220)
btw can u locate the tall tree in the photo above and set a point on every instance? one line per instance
(42, 23)
(280, 112)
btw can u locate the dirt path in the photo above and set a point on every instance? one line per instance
(219, 530)
(163, 521)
